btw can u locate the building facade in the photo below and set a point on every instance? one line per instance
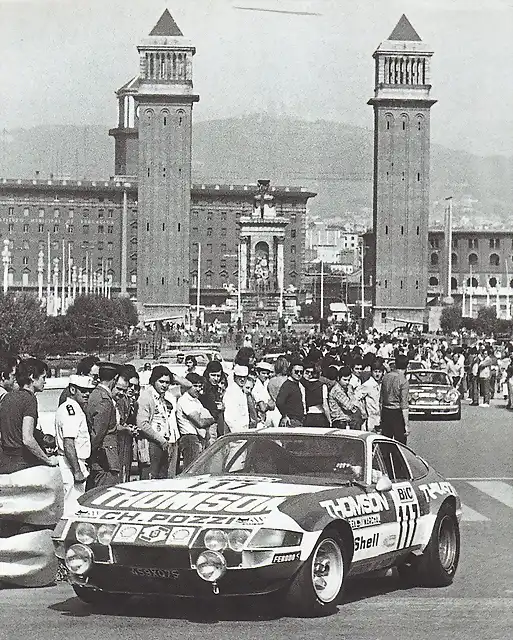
(401, 106)
(481, 269)
(87, 232)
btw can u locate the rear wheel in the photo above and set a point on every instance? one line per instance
(318, 585)
(437, 565)
(99, 599)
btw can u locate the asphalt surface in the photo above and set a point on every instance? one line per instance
(475, 453)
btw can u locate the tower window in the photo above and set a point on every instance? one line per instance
(434, 259)
(165, 123)
(386, 229)
(473, 259)
(495, 260)
(404, 125)
(416, 284)
(418, 231)
(147, 280)
(163, 172)
(402, 230)
(388, 124)
(433, 281)
(178, 282)
(163, 226)
(148, 172)
(179, 227)
(403, 174)
(147, 226)
(401, 285)
(162, 280)
(418, 177)
(386, 284)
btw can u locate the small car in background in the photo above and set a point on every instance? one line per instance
(432, 394)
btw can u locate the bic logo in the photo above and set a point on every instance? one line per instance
(405, 494)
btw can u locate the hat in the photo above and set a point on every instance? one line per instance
(240, 370)
(83, 382)
(265, 366)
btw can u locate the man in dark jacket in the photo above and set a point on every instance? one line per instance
(102, 418)
(291, 397)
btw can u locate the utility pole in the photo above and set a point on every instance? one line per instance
(362, 283)
(198, 286)
(448, 244)
(322, 294)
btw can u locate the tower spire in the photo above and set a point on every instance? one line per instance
(166, 26)
(404, 31)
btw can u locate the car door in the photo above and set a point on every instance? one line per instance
(405, 533)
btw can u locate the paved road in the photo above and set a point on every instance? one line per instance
(475, 453)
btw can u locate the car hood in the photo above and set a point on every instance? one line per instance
(203, 494)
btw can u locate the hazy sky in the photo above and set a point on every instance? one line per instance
(61, 61)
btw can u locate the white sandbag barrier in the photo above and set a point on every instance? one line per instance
(32, 497)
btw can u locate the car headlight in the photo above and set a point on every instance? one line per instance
(210, 565)
(237, 539)
(79, 559)
(106, 533)
(85, 532)
(216, 540)
(452, 396)
(271, 538)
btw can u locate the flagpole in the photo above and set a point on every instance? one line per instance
(508, 315)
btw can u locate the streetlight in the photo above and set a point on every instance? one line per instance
(6, 260)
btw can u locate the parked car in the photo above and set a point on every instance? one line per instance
(292, 512)
(48, 401)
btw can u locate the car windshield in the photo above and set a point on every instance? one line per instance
(428, 377)
(335, 457)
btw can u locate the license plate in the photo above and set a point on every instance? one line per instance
(162, 574)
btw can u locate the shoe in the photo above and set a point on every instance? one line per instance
(474, 404)
(485, 404)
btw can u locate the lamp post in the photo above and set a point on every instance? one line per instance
(6, 261)
(40, 270)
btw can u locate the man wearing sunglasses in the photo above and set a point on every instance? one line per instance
(291, 397)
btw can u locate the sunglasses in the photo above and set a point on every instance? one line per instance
(131, 385)
(297, 370)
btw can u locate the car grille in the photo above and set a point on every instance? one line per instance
(146, 557)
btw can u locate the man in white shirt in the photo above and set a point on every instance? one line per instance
(73, 441)
(236, 412)
(261, 395)
(368, 395)
(193, 420)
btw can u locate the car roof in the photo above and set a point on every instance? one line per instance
(314, 431)
(57, 383)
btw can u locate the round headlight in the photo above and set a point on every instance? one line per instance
(216, 540)
(452, 396)
(85, 532)
(106, 533)
(237, 539)
(79, 559)
(210, 566)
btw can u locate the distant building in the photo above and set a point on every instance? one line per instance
(402, 106)
(148, 232)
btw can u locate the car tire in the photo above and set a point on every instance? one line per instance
(437, 565)
(458, 415)
(99, 599)
(318, 585)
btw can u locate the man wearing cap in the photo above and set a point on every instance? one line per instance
(260, 393)
(236, 411)
(103, 420)
(72, 439)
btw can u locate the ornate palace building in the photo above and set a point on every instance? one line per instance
(402, 106)
(148, 232)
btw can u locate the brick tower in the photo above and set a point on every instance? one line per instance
(401, 176)
(163, 95)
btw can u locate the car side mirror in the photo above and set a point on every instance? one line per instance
(383, 484)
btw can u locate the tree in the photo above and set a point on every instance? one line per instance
(450, 319)
(23, 323)
(486, 321)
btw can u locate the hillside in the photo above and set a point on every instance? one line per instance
(333, 159)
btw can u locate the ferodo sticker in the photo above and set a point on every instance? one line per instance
(186, 501)
(286, 557)
(433, 490)
(350, 506)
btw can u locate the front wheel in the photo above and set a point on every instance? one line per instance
(437, 565)
(99, 599)
(318, 585)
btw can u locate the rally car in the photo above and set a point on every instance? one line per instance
(432, 393)
(292, 512)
